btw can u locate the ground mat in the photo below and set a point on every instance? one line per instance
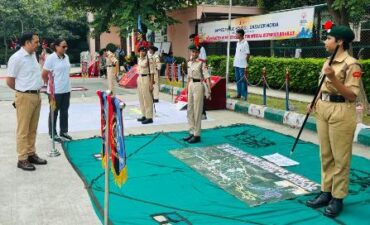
(164, 187)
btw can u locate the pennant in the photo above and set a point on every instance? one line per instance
(103, 102)
(117, 143)
(52, 102)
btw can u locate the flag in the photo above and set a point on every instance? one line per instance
(116, 141)
(52, 102)
(103, 102)
(139, 24)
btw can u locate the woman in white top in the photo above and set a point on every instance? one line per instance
(58, 64)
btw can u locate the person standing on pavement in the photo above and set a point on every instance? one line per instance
(145, 82)
(241, 58)
(197, 74)
(336, 121)
(59, 66)
(103, 63)
(24, 76)
(155, 58)
(112, 66)
(194, 39)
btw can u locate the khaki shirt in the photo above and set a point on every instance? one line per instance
(347, 70)
(156, 60)
(197, 69)
(142, 63)
(111, 59)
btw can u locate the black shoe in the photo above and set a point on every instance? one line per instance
(194, 139)
(56, 138)
(25, 165)
(334, 208)
(35, 159)
(155, 100)
(147, 121)
(187, 138)
(320, 200)
(141, 119)
(204, 116)
(66, 136)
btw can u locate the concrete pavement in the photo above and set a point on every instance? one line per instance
(54, 194)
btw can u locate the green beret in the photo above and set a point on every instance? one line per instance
(342, 32)
(193, 47)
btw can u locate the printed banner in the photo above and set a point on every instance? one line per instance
(293, 24)
(247, 177)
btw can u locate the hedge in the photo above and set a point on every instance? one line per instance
(304, 73)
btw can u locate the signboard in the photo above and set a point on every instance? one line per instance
(293, 24)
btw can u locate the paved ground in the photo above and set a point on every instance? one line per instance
(54, 194)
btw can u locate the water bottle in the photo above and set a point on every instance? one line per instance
(359, 112)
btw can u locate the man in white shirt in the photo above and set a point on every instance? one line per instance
(58, 64)
(241, 58)
(24, 76)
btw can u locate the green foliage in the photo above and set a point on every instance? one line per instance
(304, 73)
(179, 59)
(48, 18)
(124, 13)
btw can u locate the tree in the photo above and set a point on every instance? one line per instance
(46, 17)
(345, 11)
(124, 13)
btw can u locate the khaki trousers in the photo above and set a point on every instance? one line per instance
(145, 96)
(28, 113)
(111, 78)
(336, 124)
(156, 85)
(195, 107)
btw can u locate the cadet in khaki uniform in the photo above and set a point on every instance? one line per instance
(336, 121)
(145, 83)
(157, 62)
(197, 73)
(111, 64)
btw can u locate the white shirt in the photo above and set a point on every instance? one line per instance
(242, 50)
(202, 54)
(26, 70)
(60, 68)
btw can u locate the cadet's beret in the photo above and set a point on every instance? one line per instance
(342, 32)
(153, 48)
(142, 48)
(193, 47)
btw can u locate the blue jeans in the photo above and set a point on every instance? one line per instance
(241, 84)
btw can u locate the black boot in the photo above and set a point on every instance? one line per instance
(320, 200)
(187, 138)
(334, 208)
(147, 121)
(194, 139)
(141, 119)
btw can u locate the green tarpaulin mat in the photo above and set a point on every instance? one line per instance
(161, 187)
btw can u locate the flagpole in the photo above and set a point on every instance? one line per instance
(106, 180)
(53, 152)
(228, 49)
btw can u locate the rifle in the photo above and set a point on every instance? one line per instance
(313, 102)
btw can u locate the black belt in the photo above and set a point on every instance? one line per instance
(111, 66)
(332, 98)
(196, 80)
(29, 91)
(144, 75)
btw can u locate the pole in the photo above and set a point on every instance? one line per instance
(246, 83)
(228, 48)
(313, 102)
(106, 180)
(264, 85)
(287, 89)
(53, 152)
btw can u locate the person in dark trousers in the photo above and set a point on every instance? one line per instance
(58, 64)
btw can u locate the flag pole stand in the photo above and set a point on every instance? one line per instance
(107, 154)
(53, 152)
